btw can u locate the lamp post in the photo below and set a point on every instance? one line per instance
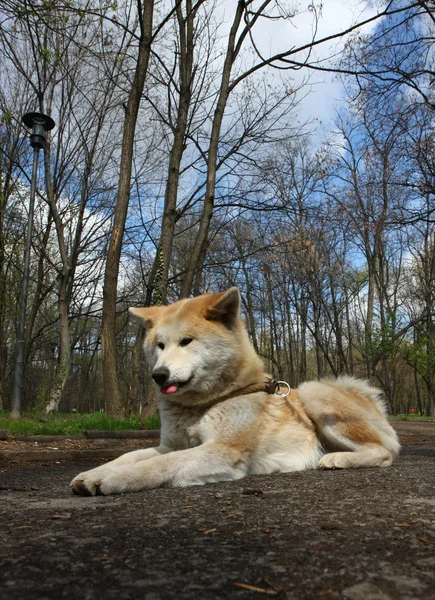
(39, 124)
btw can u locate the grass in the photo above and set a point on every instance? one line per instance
(412, 417)
(38, 423)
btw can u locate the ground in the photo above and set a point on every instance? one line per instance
(358, 535)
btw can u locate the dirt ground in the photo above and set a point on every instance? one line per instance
(356, 535)
(66, 443)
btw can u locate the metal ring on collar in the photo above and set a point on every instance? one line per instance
(278, 393)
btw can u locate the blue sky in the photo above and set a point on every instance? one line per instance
(326, 90)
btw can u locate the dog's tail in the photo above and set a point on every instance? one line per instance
(361, 386)
(380, 427)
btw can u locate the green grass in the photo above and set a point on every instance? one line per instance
(412, 417)
(38, 423)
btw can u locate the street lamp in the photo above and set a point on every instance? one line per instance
(39, 124)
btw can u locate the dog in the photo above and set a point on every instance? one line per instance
(222, 418)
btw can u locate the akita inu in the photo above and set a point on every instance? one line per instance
(220, 417)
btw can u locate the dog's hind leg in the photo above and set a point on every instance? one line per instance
(367, 456)
(353, 444)
(350, 424)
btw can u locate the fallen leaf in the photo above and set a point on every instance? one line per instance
(272, 585)
(62, 516)
(254, 588)
(23, 527)
(319, 547)
(188, 506)
(401, 525)
(425, 540)
(207, 531)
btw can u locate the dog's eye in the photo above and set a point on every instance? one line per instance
(161, 345)
(185, 341)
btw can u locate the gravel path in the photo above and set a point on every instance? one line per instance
(356, 535)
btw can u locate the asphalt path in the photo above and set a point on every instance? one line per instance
(367, 534)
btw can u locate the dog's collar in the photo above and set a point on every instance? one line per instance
(270, 386)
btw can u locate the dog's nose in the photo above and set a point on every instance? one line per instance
(161, 376)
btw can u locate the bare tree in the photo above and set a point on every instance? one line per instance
(11, 154)
(50, 52)
(113, 399)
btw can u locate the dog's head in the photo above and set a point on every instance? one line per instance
(195, 344)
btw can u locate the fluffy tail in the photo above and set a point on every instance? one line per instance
(361, 387)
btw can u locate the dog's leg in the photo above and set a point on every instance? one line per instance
(103, 470)
(358, 446)
(367, 456)
(350, 427)
(195, 466)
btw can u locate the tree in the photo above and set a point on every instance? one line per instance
(397, 55)
(11, 154)
(113, 400)
(49, 52)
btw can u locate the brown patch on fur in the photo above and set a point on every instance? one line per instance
(193, 311)
(356, 400)
(358, 431)
(244, 443)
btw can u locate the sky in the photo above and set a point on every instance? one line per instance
(326, 90)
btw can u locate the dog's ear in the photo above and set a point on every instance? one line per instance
(225, 308)
(145, 316)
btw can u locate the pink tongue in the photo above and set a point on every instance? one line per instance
(170, 389)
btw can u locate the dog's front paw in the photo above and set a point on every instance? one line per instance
(86, 484)
(99, 482)
(334, 460)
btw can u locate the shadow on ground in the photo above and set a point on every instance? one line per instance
(357, 535)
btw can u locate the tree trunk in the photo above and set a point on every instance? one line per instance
(63, 367)
(62, 370)
(171, 193)
(3, 336)
(349, 332)
(248, 297)
(197, 258)
(368, 328)
(112, 396)
(320, 354)
(39, 293)
(135, 388)
(338, 330)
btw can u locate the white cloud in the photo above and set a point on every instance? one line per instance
(324, 90)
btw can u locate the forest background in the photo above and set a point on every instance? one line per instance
(185, 159)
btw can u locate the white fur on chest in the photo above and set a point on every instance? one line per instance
(268, 444)
(189, 427)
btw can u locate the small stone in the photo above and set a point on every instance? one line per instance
(365, 591)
